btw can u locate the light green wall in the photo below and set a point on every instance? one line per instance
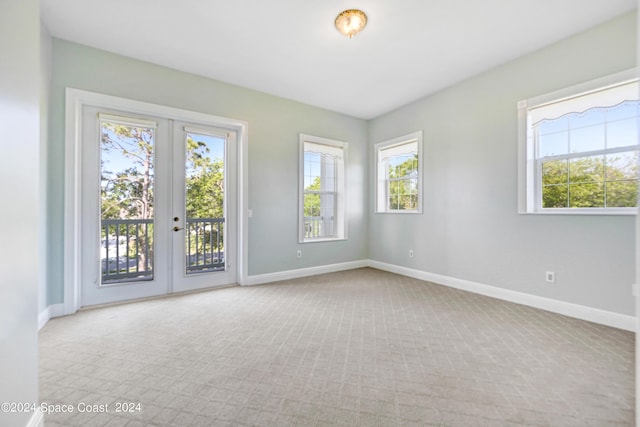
(470, 228)
(20, 193)
(274, 125)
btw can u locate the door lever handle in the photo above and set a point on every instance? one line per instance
(176, 228)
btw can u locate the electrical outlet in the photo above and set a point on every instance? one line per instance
(299, 254)
(550, 277)
(410, 253)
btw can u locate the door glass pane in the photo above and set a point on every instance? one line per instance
(126, 205)
(204, 201)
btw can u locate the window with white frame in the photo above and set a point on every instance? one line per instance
(322, 189)
(582, 148)
(399, 174)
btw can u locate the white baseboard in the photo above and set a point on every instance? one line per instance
(43, 317)
(260, 279)
(582, 312)
(37, 419)
(54, 310)
(577, 311)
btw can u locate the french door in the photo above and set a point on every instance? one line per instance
(158, 206)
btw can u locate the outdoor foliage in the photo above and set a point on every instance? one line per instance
(204, 182)
(204, 200)
(128, 193)
(591, 182)
(312, 200)
(403, 184)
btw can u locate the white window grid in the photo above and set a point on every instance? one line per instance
(530, 163)
(328, 219)
(407, 147)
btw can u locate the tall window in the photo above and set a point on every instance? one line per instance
(399, 176)
(322, 199)
(582, 150)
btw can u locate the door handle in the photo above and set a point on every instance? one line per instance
(176, 228)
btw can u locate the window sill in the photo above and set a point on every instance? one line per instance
(404, 212)
(588, 212)
(323, 239)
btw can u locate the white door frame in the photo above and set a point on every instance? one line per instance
(76, 99)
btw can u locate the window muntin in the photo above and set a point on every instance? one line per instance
(398, 172)
(322, 189)
(582, 149)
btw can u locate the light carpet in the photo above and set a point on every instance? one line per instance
(355, 348)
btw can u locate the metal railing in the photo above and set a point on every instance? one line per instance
(317, 226)
(127, 248)
(204, 244)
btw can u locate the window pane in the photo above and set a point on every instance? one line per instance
(553, 144)
(588, 118)
(127, 202)
(622, 194)
(587, 195)
(204, 201)
(403, 190)
(622, 133)
(555, 172)
(311, 166)
(320, 186)
(548, 126)
(555, 196)
(587, 139)
(311, 205)
(622, 166)
(394, 202)
(403, 194)
(319, 215)
(624, 110)
(586, 169)
(405, 165)
(398, 175)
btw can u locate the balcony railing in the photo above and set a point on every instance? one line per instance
(317, 226)
(127, 248)
(204, 244)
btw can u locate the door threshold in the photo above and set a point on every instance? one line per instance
(157, 297)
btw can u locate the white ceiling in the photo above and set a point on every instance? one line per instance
(290, 48)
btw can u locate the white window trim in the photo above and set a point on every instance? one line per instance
(415, 136)
(341, 212)
(528, 188)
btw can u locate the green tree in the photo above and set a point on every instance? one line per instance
(312, 200)
(128, 193)
(312, 207)
(204, 196)
(403, 184)
(597, 181)
(204, 182)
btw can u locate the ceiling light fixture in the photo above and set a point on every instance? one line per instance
(351, 22)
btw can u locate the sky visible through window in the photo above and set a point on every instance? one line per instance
(595, 129)
(115, 161)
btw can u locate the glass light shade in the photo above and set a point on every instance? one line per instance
(351, 22)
